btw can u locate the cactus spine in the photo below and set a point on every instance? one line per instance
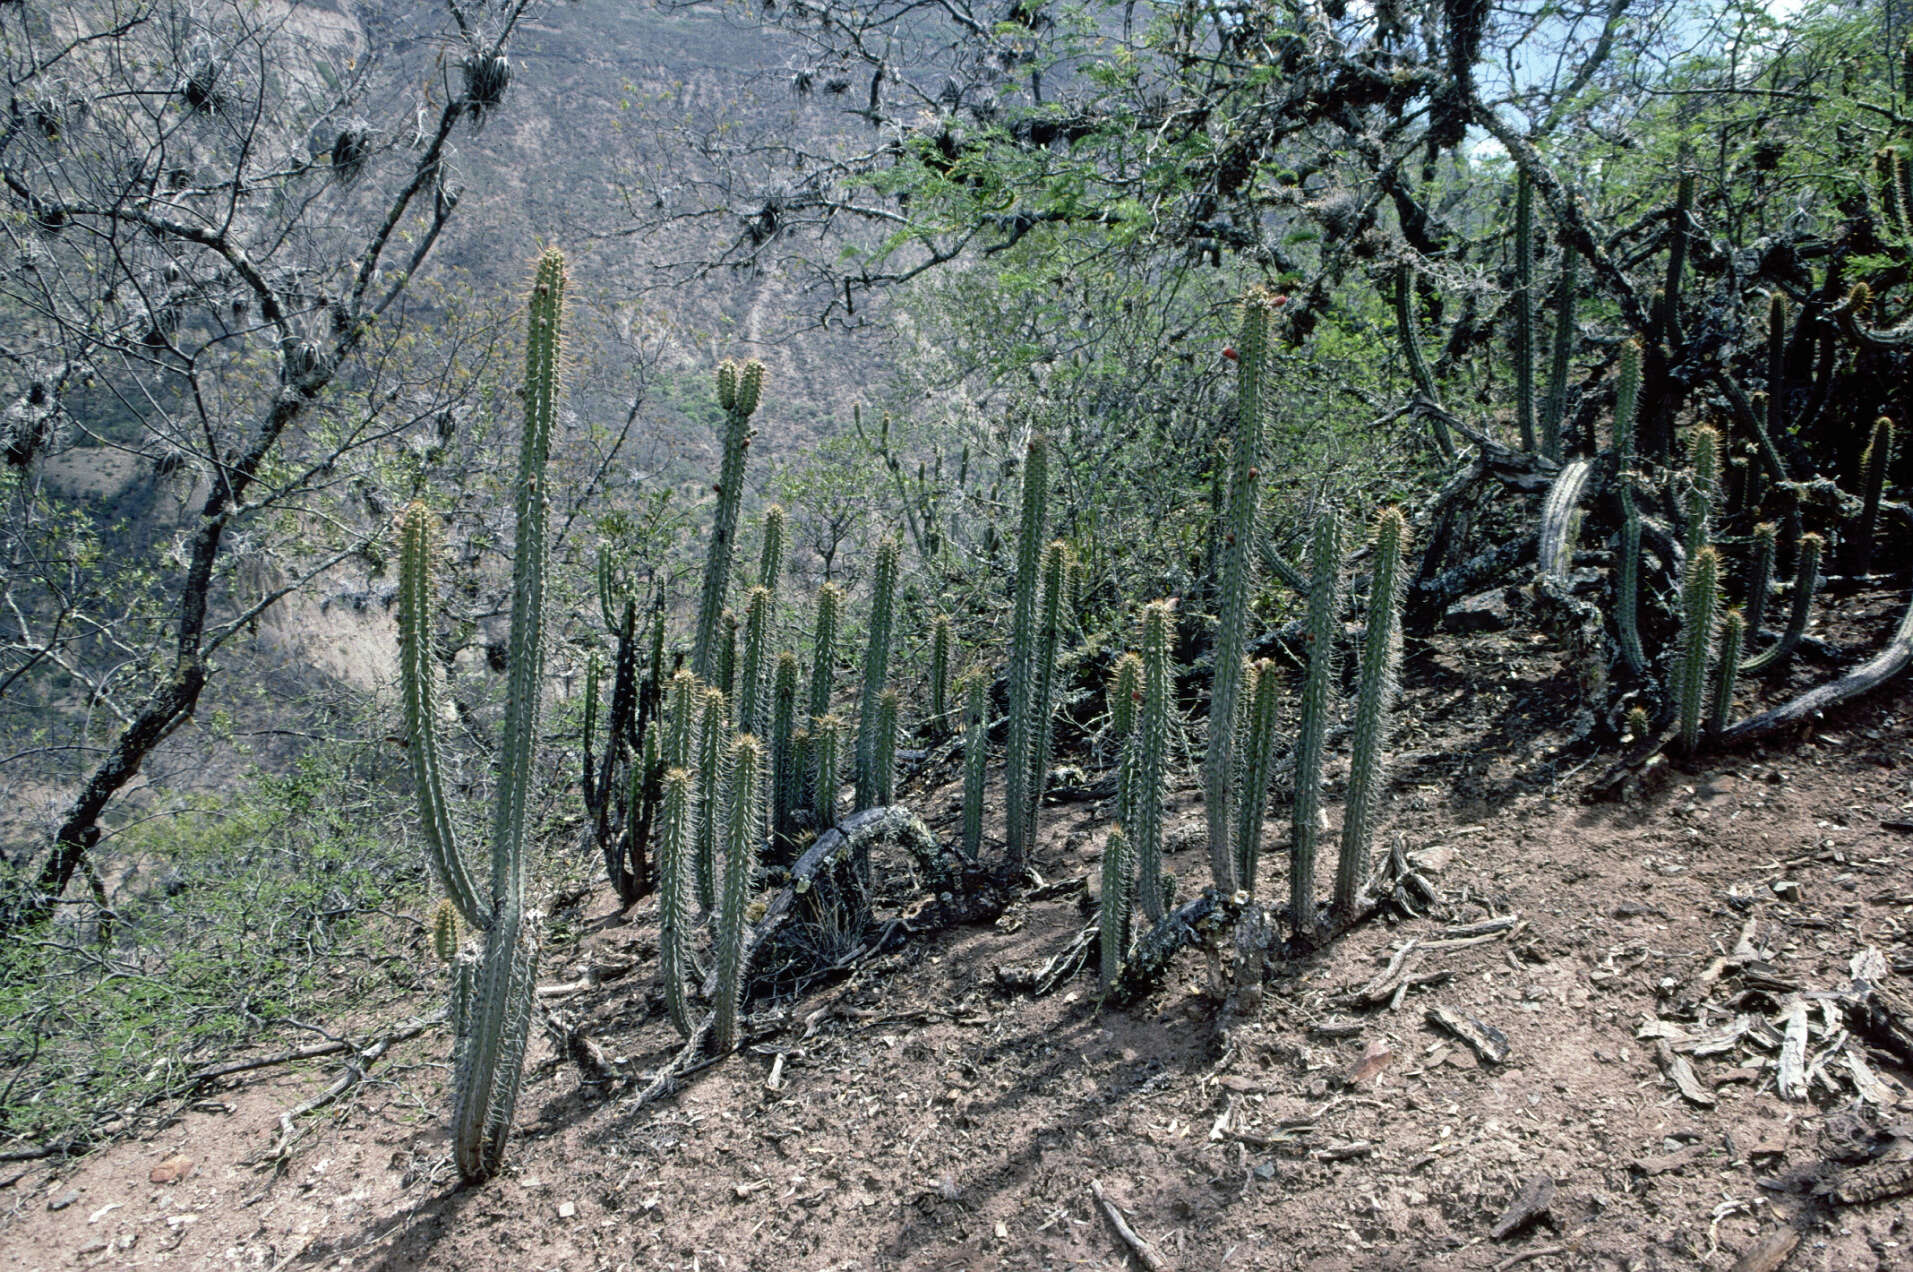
(1258, 765)
(1873, 465)
(884, 754)
(713, 727)
(883, 604)
(1806, 579)
(1524, 309)
(976, 759)
(745, 816)
(1628, 583)
(1042, 704)
(1700, 599)
(942, 636)
(675, 878)
(738, 390)
(1152, 736)
(494, 998)
(1733, 629)
(1238, 559)
(1023, 641)
(1113, 917)
(1318, 703)
(1374, 705)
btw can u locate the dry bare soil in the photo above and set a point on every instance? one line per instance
(917, 1110)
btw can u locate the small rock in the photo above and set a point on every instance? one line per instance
(1485, 613)
(1787, 889)
(172, 1170)
(566, 1210)
(61, 1202)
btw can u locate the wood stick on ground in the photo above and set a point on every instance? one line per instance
(1539, 1252)
(355, 1070)
(1144, 1252)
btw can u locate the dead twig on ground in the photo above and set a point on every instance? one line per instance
(1144, 1252)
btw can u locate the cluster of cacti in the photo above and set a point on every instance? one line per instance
(494, 1011)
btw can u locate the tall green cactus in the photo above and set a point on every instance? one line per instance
(1873, 465)
(1733, 629)
(714, 727)
(1042, 703)
(1759, 580)
(883, 755)
(1700, 601)
(724, 661)
(1152, 756)
(1032, 528)
(1524, 309)
(823, 665)
(1116, 901)
(1125, 700)
(738, 391)
(1374, 706)
(827, 748)
(749, 692)
(1318, 703)
(883, 607)
(1237, 576)
(1555, 425)
(1258, 766)
(770, 561)
(976, 759)
(743, 821)
(1806, 580)
(489, 1064)
(1703, 457)
(787, 779)
(1627, 584)
(682, 733)
(942, 637)
(676, 877)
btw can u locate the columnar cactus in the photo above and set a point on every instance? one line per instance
(497, 1015)
(1557, 400)
(1042, 703)
(1524, 309)
(676, 871)
(883, 606)
(976, 759)
(1806, 580)
(744, 818)
(724, 670)
(1374, 706)
(1703, 456)
(787, 779)
(714, 728)
(883, 755)
(1628, 580)
(1113, 918)
(1410, 332)
(1318, 704)
(1258, 766)
(1125, 699)
(770, 561)
(1873, 465)
(1733, 630)
(1237, 577)
(1023, 642)
(749, 695)
(1681, 227)
(738, 390)
(1700, 601)
(1152, 756)
(823, 665)
(678, 739)
(827, 746)
(1759, 580)
(942, 637)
